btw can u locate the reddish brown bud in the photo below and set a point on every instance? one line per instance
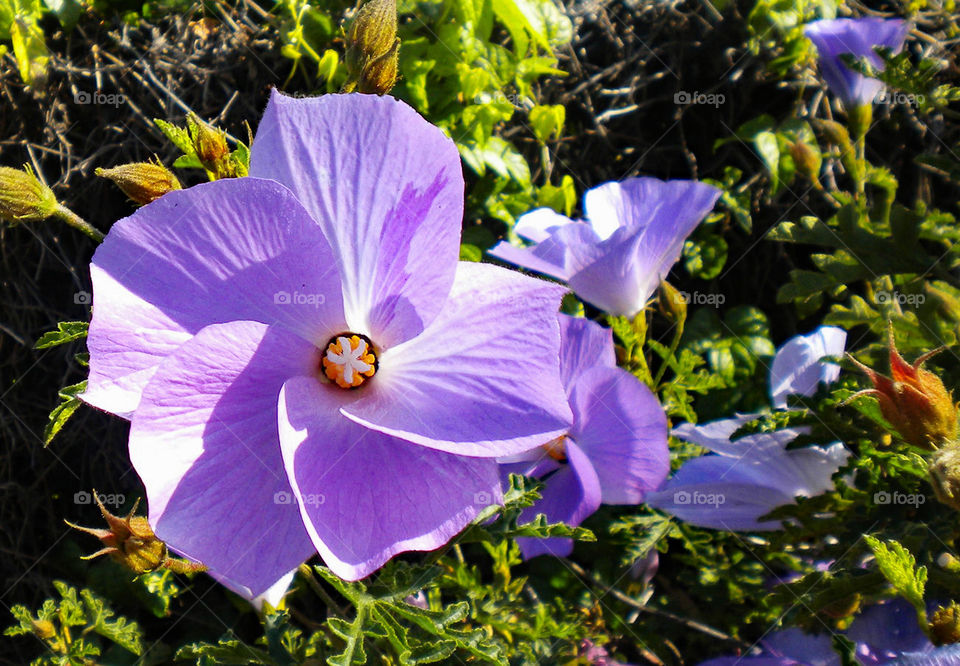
(914, 401)
(945, 625)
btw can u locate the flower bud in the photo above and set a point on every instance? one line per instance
(130, 541)
(673, 304)
(860, 118)
(914, 401)
(807, 161)
(44, 629)
(373, 48)
(944, 471)
(944, 626)
(833, 132)
(143, 182)
(210, 145)
(23, 198)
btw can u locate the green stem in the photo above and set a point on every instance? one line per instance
(78, 222)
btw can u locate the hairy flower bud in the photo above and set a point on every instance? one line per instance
(807, 161)
(130, 541)
(673, 304)
(914, 401)
(945, 625)
(373, 48)
(944, 471)
(23, 198)
(211, 147)
(44, 629)
(833, 132)
(143, 182)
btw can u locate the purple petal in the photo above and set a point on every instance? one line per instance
(797, 368)
(537, 225)
(812, 649)
(483, 379)
(857, 37)
(223, 251)
(205, 443)
(715, 436)
(386, 186)
(584, 345)
(622, 428)
(657, 217)
(948, 655)
(366, 496)
(569, 496)
(559, 255)
(888, 629)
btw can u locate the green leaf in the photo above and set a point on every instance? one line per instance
(69, 402)
(101, 620)
(67, 331)
(547, 121)
(178, 136)
(898, 566)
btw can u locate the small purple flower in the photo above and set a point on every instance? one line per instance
(616, 258)
(746, 478)
(858, 37)
(797, 369)
(615, 451)
(306, 365)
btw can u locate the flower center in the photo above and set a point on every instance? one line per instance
(349, 360)
(557, 448)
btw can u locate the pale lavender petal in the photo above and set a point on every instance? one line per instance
(366, 496)
(562, 253)
(537, 225)
(835, 37)
(812, 649)
(386, 186)
(275, 593)
(483, 379)
(551, 265)
(584, 345)
(715, 436)
(205, 444)
(622, 428)
(223, 251)
(659, 215)
(569, 496)
(797, 368)
(948, 655)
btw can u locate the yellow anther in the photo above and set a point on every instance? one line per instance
(557, 448)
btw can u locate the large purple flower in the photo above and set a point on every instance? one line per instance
(633, 234)
(857, 37)
(616, 449)
(306, 365)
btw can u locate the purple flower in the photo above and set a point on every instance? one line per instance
(885, 633)
(616, 449)
(858, 37)
(746, 478)
(789, 647)
(229, 316)
(753, 475)
(615, 259)
(797, 369)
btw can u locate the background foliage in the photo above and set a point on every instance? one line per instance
(544, 101)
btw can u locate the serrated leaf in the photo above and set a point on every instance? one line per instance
(898, 566)
(69, 403)
(67, 331)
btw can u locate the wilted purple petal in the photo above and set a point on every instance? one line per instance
(204, 441)
(885, 631)
(622, 428)
(835, 37)
(569, 496)
(223, 251)
(483, 378)
(797, 368)
(366, 496)
(387, 189)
